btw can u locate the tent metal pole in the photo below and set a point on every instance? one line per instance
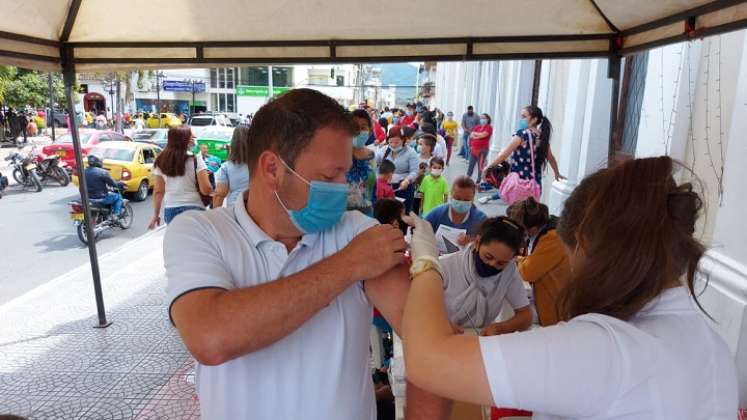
(68, 72)
(50, 115)
(613, 72)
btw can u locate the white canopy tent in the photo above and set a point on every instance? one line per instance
(77, 35)
(104, 34)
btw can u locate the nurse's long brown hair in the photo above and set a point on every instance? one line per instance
(633, 229)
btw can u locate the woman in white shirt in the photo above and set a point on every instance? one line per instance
(176, 176)
(634, 345)
(480, 278)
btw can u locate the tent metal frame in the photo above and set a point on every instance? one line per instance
(614, 53)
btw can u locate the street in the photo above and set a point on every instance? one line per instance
(39, 241)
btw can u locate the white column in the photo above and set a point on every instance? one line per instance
(566, 140)
(725, 266)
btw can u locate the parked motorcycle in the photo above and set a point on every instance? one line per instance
(50, 167)
(3, 184)
(102, 217)
(24, 171)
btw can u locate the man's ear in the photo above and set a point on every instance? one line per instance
(270, 169)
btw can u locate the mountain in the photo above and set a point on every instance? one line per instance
(402, 75)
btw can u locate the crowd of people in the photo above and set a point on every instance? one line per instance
(321, 215)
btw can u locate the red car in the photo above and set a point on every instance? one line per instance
(63, 147)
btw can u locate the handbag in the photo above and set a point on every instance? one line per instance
(514, 189)
(206, 199)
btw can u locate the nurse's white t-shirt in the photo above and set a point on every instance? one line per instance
(319, 371)
(665, 363)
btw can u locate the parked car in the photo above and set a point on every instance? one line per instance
(130, 162)
(216, 126)
(167, 120)
(63, 146)
(157, 136)
(216, 147)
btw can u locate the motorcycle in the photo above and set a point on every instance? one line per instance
(102, 217)
(50, 167)
(24, 171)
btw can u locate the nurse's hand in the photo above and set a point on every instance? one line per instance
(423, 242)
(463, 239)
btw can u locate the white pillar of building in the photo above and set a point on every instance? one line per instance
(725, 265)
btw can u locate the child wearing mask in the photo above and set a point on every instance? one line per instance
(383, 186)
(434, 187)
(480, 278)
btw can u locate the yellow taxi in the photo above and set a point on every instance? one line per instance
(128, 162)
(167, 120)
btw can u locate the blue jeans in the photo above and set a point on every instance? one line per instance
(465, 146)
(112, 199)
(480, 162)
(408, 195)
(169, 213)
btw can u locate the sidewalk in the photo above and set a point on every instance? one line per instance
(54, 364)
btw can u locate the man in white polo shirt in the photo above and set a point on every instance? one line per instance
(273, 296)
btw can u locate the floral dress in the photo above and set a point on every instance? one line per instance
(521, 159)
(360, 179)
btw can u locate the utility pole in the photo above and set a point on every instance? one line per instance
(50, 116)
(270, 81)
(158, 97)
(192, 111)
(118, 124)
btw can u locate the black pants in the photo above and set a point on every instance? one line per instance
(408, 194)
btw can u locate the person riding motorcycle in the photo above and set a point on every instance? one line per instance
(98, 181)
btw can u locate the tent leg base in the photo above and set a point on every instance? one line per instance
(104, 325)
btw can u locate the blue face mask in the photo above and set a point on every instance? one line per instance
(325, 205)
(483, 121)
(360, 140)
(396, 149)
(395, 120)
(483, 269)
(409, 113)
(523, 124)
(459, 206)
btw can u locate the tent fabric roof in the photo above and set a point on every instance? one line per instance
(111, 34)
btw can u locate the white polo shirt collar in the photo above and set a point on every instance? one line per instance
(256, 235)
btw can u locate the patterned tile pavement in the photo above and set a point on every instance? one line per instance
(55, 365)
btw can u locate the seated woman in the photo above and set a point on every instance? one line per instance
(546, 265)
(634, 346)
(480, 278)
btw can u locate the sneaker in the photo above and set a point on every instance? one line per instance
(484, 200)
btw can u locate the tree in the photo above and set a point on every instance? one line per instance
(20, 88)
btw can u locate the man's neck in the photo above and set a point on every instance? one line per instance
(263, 207)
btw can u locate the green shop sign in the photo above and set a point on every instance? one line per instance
(264, 91)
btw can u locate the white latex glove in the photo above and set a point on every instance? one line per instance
(423, 243)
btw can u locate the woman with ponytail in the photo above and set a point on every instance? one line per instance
(529, 150)
(635, 344)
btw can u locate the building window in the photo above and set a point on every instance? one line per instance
(229, 78)
(223, 102)
(282, 76)
(254, 76)
(213, 78)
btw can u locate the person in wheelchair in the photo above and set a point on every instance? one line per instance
(99, 183)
